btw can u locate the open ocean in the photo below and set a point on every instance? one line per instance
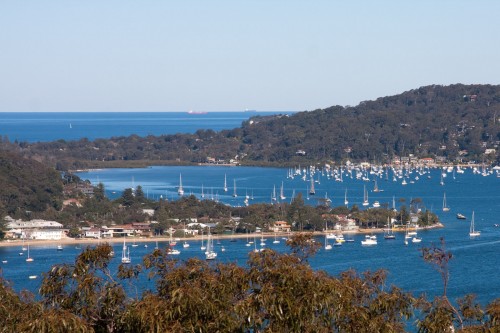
(51, 126)
(474, 267)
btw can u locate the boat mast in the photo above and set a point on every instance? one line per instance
(180, 191)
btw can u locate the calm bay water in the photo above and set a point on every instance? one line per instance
(474, 268)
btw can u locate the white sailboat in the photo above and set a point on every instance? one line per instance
(329, 235)
(473, 232)
(262, 240)
(406, 235)
(125, 253)
(185, 244)
(282, 195)
(445, 207)
(415, 238)
(327, 199)
(276, 241)
(234, 186)
(202, 193)
(327, 245)
(273, 194)
(210, 253)
(345, 198)
(252, 241)
(312, 191)
(389, 234)
(172, 250)
(203, 247)
(225, 183)
(171, 245)
(180, 191)
(365, 196)
(29, 259)
(248, 241)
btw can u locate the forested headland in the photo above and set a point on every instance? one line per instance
(33, 191)
(456, 123)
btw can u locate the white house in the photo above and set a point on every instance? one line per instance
(47, 234)
(93, 233)
(35, 229)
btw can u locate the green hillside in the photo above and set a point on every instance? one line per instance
(27, 186)
(455, 123)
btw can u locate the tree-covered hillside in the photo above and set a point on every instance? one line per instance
(27, 186)
(457, 123)
(429, 121)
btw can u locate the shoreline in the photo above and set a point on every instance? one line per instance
(150, 163)
(90, 241)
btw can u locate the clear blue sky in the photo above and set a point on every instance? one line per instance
(106, 55)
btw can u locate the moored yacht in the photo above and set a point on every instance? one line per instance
(369, 240)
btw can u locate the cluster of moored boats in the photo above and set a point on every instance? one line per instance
(313, 176)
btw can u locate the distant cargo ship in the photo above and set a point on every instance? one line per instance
(197, 112)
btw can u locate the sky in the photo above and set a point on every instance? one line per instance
(232, 55)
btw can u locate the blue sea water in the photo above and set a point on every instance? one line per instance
(51, 126)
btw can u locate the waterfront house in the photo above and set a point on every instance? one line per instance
(426, 161)
(34, 229)
(93, 233)
(281, 226)
(131, 229)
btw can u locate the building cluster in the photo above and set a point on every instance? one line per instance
(34, 229)
(139, 229)
(341, 222)
(38, 229)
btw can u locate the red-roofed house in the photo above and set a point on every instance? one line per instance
(281, 226)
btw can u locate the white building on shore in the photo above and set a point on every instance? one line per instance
(34, 229)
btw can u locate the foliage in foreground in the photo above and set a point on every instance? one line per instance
(273, 293)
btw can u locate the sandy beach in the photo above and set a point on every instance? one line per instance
(90, 241)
